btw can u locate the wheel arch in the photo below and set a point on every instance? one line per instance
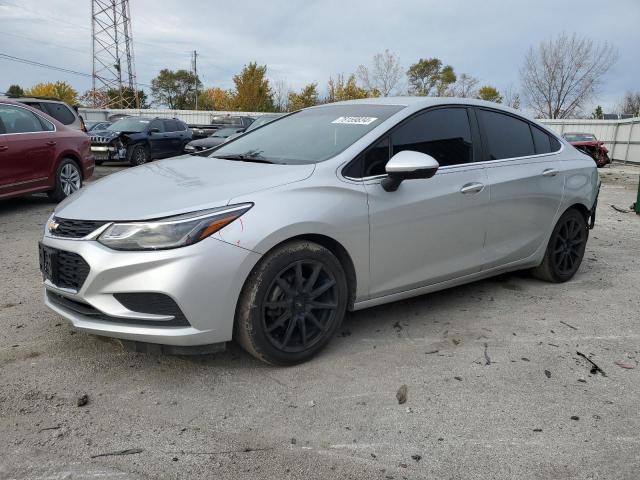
(69, 155)
(335, 248)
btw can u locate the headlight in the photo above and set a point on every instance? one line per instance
(189, 148)
(172, 232)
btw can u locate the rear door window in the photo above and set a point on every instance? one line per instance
(170, 126)
(444, 133)
(60, 112)
(157, 124)
(18, 120)
(505, 136)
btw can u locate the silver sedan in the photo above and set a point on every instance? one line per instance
(270, 238)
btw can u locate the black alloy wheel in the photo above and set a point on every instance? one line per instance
(565, 249)
(292, 303)
(300, 304)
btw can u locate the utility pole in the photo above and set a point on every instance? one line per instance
(194, 68)
(112, 51)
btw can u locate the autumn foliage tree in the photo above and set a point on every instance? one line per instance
(341, 89)
(216, 99)
(308, 97)
(429, 77)
(252, 91)
(490, 94)
(60, 90)
(175, 89)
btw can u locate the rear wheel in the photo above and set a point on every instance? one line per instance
(292, 304)
(68, 180)
(138, 155)
(565, 249)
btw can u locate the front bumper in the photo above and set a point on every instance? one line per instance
(108, 153)
(204, 280)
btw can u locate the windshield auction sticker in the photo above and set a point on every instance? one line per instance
(355, 120)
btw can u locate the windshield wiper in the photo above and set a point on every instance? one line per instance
(243, 158)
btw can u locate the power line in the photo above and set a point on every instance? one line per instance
(26, 61)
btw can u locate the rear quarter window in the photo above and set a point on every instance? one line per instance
(60, 112)
(505, 136)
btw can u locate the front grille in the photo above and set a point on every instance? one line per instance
(72, 270)
(75, 228)
(93, 313)
(100, 140)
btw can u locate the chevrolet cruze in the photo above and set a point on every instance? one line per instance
(270, 238)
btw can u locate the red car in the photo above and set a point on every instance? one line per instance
(39, 154)
(589, 144)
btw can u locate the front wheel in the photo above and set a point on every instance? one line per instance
(68, 180)
(292, 303)
(565, 249)
(138, 155)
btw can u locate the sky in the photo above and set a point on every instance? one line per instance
(303, 41)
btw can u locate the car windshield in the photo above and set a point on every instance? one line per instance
(262, 120)
(308, 136)
(129, 125)
(580, 137)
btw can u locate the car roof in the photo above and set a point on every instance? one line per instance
(48, 117)
(423, 102)
(37, 99)
(578, 133)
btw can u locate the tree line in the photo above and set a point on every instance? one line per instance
(558, 78)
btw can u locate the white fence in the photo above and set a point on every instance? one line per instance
(192, 117)
(621, 137)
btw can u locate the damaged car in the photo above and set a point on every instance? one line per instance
(271, 238)
(588, 144)
(138, 140)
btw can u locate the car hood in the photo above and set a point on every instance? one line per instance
(174, 186)
(109, 134)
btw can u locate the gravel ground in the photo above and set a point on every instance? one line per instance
(495, 388)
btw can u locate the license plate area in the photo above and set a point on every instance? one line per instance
(48, 263)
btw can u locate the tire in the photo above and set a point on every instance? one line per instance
(138, 155)
(281, 317)
(565, 249)
(98, 162)
(68, 180)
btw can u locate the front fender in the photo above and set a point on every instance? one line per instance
(338, 211)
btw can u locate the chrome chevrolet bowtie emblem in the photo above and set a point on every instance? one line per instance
(52, 226)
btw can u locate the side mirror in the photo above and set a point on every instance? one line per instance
(154, 130)
(407, 165)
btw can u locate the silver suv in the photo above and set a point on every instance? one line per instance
(55, 108)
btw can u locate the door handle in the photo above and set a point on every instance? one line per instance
(472, 188)
(51, 143)
(550, 172)
(3, 148)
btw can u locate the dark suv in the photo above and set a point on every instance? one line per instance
(138, 140)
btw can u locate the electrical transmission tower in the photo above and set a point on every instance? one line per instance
(114, 76)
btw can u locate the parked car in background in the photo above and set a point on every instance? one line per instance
(40, 154)
(218, 122)
(57, 109)
(272, 237)
(97, 125)
(588, 143)
(259, 122)
(213, 140)
(138, 140)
